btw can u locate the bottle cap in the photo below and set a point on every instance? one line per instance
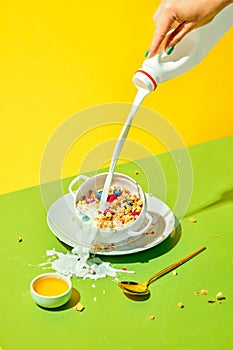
(144, 80)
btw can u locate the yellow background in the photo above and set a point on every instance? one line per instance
(60, 57)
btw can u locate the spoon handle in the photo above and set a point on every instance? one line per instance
(173, 266)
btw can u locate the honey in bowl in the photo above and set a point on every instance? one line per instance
(51, 290)
(50, 286)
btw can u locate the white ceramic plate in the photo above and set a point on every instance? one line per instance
(62, 222)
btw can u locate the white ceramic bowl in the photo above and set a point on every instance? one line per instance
(51, 301)
(89, 231)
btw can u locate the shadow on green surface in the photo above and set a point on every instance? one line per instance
(137, 297)
(75, 298)
(152, 253)
(226, 196)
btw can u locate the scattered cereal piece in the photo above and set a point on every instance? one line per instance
(95, 299)
(181, 305)
(96, 248)
(193, 220)
(219, 296)
(196, 293)
(79, 307)
(173, 232)
(93, 285)
(174, 273)
(150, 232)
(136, 172)
(204, 292)
(152, 317)
(20, 239)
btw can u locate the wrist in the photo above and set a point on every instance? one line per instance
(227, 2)
(221, 4)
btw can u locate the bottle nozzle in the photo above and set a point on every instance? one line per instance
(144, 80)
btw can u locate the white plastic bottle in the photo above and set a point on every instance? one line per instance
(187, 53)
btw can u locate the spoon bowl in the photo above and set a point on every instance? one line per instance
(136, 288)
(137, 296)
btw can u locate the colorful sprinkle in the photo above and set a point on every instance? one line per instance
(90, 200)
(99, 194)
(85, 218)
(107, 210)
(117, 192)
(135, 213)
(111, 198)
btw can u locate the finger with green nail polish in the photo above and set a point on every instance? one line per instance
(170, 49)
(147, 53)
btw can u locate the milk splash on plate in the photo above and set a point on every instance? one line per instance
(79, 262)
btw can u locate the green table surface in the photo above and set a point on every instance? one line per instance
(110, 320)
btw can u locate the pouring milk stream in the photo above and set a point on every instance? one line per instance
(141, 94)
(187, 54)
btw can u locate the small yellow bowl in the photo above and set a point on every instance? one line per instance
(51, 290)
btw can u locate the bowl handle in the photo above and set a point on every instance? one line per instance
(137, 233)
(73, 182)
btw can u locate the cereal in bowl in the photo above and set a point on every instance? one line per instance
(122, 209)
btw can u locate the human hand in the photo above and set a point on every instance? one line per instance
(185, 15)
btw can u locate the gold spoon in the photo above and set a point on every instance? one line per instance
(136, 296)
(142, 288)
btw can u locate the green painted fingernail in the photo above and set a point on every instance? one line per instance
(170, 49)
(147, 53)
